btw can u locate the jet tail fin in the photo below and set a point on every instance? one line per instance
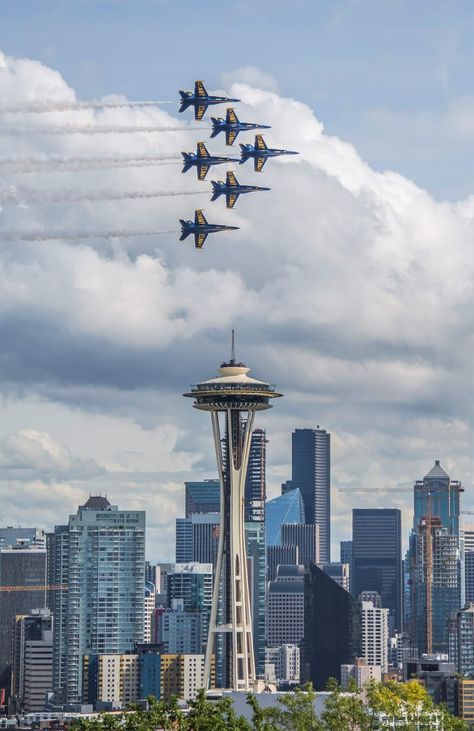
(185, 102)
(187, 162)
(184, 230)
(216, 192)
(215, 127)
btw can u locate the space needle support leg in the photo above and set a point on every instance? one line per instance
(220, 550)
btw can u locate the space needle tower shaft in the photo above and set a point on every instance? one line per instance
(232, 400)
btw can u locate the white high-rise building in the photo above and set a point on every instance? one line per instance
(374, 635)
(282, 664)
(149, 608)
(285, 607)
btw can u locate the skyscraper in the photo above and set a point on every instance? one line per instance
(202, 497)
(434, 560)
(311, 472)
(374, 634)
(23, 584)
(305, 537)
(286, 508)
(255, 483)
(280, 556)
(376, 557)
(331, 631)
(197, 538)
(192, 584)
(32, 674)
(443, 494)
(232, 398)
(285, 607)
(100, 555)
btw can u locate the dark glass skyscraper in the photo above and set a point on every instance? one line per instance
(331, 628)
(311, 472)
(377, 557)
(202, 497)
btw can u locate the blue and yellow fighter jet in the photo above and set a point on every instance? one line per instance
(232, 125)
(231, 189)
(260, 153)
(200, 228)
(200, 100)
(202, 160)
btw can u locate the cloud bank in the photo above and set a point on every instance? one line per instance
(351, 289)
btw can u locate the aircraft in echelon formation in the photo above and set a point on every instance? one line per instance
(232, 125)
(200, 100)
(202, 160)
(200, 228)
(231, 189)
(260, 153)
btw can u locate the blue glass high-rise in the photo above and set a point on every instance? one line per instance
(287, 508)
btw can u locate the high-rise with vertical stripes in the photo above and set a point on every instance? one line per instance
(311, 472)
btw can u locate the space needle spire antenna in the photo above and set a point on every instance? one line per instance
(232, 398)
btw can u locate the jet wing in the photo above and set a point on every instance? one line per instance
(199, 218)
(231, 117)
(199, 239)
(230, 136)
(231, 179)
(259, 162)
(199, 111)
(199, 89)
(202, 150)
(202, 171)
(231, 199)
(260, 143)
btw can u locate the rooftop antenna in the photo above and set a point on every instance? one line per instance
(232, 351)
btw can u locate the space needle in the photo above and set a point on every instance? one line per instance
(232, 398)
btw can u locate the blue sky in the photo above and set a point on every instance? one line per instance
(394, 77)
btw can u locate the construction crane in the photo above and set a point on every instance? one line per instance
(35, 587)
(399, 487)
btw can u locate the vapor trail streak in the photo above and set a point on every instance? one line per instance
(73, 235)
(73, 164)
(17, 197)
(58, 106)
(86, 130)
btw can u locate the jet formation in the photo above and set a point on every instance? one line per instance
(202, 160)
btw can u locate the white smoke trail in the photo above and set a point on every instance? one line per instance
(23, 196)
(73, 164)
(87, 130)
(74, 235)
(66, 106)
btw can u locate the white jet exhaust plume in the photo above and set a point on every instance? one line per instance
(75, 235)
(20, 196)
(87, 130)
(67, 106)
(72, 164)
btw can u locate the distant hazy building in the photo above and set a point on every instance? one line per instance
(100, 555)
(286, 508)
(192, 583)
(345, 551)
(26, 537)
(197, 538)
(148, 611)
(374, 635)
(331, 628)
(360, 671)
(311, 473)
(461, 640)
(339, 572)
(180, 631)
(376, 557)
(22, 588)
(32, 669)
(438, 494)
(285, 607)
(305, 537)
(280, 555)
(282, 664)
(202, 497)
